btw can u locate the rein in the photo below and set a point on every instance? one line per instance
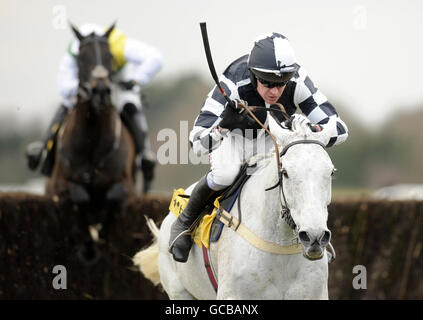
(285, 211)
(266, 129)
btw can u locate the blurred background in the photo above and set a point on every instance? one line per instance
(364, 55)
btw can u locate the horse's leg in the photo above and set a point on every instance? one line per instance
(88, 253)
(117, 203)
(310, 282)
(110, 211)
(240, 269)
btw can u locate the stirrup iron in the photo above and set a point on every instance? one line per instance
(183, 233)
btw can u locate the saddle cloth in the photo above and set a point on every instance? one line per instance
(225, 199)
(201, 233)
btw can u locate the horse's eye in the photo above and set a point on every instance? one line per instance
(333, 172)
(285, 173)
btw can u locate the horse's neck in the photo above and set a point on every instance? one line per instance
(94, 124)
(92, 133)
(261, 210)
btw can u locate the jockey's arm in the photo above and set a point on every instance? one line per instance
(145, 59)
(206, 134)
(314, 104)
(67, 78)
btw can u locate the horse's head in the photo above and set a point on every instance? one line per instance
(94, 61)
(306, 183)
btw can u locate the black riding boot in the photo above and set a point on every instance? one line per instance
(128, 116)
(145, 160)
(148, 163)
(35, 150)
(180, 247)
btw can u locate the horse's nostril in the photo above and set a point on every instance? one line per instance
(325, 238)
(304, 237)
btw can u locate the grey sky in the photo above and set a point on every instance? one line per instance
(365, 54)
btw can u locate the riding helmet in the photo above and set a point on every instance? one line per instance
(272, 59)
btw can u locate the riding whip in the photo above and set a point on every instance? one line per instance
(211, 65)
(231, 103)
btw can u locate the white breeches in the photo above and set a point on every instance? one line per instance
(232, 153)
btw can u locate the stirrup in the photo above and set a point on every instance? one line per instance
(188, 231)
(185, 232)
(331, 253)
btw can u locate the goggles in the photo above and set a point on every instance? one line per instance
(271, 80)
(270, 85)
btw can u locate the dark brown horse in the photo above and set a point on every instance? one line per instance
(95, 153)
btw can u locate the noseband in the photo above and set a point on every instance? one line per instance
(285, 211)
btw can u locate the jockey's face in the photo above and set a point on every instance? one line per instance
(269, 95)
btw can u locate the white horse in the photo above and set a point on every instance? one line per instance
(242, 270)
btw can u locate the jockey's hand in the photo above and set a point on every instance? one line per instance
(219, 133)
(299, 122)
(239, 105)
(236, 118)
(127, 85)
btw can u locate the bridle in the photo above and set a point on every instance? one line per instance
(85, 89)
(285, 211)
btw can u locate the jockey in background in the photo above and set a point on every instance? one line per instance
(135, 64)
(269, 74)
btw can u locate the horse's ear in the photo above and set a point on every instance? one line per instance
(76, 32)
(109, 31)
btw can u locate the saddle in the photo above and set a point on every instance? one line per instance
(208, 228)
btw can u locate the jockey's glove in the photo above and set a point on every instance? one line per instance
(301, 122)
(238, 105)
(236, 118)
(219, 133)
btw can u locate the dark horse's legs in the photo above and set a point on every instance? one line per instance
(111, 210)
(88, 253)
(94, 208)
(115, 204)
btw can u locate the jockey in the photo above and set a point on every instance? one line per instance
(269, 74)
(135, 63)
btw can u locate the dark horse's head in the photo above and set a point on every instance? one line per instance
(94, 68)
